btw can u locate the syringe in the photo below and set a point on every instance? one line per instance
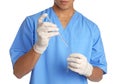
(60, 35)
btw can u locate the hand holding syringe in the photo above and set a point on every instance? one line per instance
(44, 33)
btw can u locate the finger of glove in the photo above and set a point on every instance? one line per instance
(52, 29)
(73, 69)
(47, 35)
(48, 30)
(42, 17)
(46, 26)
(75, 60)
(74, 65)
(77, 55)
(51, 34)
(79, 71)
(79, 62)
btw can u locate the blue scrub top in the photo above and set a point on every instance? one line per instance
(82, 36)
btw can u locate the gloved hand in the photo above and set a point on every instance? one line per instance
(45, 31)
(78, 63)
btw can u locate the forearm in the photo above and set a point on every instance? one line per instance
(25, 63)
(97, 74)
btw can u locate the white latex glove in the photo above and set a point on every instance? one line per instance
(45, 31)
(78, 63)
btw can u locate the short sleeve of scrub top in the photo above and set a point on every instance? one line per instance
(23, 41)
(97, 55)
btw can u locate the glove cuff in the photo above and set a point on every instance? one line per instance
(38, 49)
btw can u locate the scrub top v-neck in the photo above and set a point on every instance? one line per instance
(56, 19)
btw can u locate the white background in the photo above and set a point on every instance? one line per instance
(105, 13)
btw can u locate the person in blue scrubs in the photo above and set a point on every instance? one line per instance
(40, 47)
